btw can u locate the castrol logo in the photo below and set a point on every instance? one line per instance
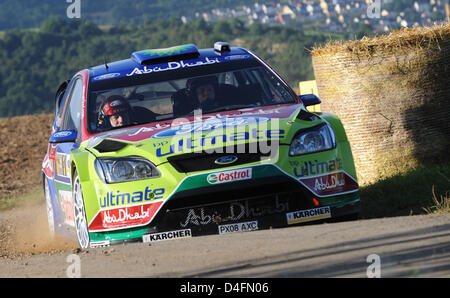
(229, 176)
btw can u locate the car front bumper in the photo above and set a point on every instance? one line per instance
(271, 199)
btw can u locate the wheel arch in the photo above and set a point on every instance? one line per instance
(337, 126)
(80, 163)
(43, 177)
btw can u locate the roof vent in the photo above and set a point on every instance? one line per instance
(156, 56)
(222, 46)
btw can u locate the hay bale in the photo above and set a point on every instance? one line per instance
(392, 94)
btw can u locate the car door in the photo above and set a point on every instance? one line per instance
(70, 120)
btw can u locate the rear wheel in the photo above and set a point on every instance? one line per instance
(49, 205)
(80, 213)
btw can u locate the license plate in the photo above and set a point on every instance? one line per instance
(238, 227)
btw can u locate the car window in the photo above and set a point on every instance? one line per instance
(72, 114)
(62, 105)
(135, 100)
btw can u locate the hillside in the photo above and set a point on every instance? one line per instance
(35, 62)
(118, 11)
(21, 14)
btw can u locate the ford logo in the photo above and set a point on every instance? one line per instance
(107, 76)
(225, 160)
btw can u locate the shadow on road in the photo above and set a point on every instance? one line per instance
(416, 253)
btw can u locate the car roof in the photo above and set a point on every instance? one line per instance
(158, 59)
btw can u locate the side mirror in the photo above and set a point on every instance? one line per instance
(63, 136)
(309, 99)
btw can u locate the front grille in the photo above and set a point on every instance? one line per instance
(202, 213)
(204, 160)
(240, 190)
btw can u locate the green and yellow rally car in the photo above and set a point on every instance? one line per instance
(180, 142)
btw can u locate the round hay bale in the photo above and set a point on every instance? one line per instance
(392, 94)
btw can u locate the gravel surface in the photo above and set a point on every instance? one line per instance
(410, 246)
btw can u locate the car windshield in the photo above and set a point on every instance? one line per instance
(143, 99)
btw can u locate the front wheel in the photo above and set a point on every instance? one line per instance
(80, 213)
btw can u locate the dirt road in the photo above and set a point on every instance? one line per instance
(406, 246)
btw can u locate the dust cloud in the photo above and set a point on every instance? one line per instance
(24, 231)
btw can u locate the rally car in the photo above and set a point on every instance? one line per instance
(180, 142)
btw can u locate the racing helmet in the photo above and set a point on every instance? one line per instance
(115, 104)
(193, 83)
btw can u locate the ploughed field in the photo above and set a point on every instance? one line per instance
(23, 144)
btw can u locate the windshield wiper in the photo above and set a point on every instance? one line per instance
(228, 108)
(220, 109)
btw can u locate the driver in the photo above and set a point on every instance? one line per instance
(115, 112)
(200, 93)
(203, 91)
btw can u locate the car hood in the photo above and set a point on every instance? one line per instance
(159, 140)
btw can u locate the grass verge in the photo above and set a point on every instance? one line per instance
(441, 204)
(423, 190)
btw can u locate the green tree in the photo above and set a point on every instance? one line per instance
(56, 25)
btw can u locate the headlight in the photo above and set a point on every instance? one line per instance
(319, 138)
(115, 170)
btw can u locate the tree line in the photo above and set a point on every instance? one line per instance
(35, 62)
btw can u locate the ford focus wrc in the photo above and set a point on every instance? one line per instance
(179, 142)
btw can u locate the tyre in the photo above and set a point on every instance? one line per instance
(49, 207)
(80, 213)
